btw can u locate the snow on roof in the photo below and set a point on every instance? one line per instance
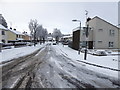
(16, 32)
(26, 34)
(104, 21)
(2, 27)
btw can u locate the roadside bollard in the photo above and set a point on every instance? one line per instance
(79, 51)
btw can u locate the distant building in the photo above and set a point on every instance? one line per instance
(3, 34)
(67, 37)
(101, 35)
(49, 37)
(26, 36)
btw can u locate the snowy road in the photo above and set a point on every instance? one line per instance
(48, 69)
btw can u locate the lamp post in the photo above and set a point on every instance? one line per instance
(87, 26)
(80, 30)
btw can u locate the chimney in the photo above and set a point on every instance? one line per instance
(88, 19)
(11, 28)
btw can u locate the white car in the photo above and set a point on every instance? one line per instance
(101, 53)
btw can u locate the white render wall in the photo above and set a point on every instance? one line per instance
(83, 37)
(104, 35)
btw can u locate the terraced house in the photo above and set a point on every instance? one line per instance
(14, 35)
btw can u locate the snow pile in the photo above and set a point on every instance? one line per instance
(9, 54)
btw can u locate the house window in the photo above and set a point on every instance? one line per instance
(112, 32)
(3, 32)
(83, 32)
(99, 41)
(17, 36)
(111, 44)
(100, 30)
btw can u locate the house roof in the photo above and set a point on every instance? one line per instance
(26, 34)
(104, 21)
(2, 27)
(16, 32)
(67, 36)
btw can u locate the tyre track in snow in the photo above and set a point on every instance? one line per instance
(56, 71)
(85, 71)
(51, 70)
(19, 73)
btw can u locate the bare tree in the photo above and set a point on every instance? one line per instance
(3, 21)
(45, 33)
(41, 33)
(57, 34)
(33, 24)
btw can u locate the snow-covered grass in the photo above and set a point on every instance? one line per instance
(9, 54)
(105, 61)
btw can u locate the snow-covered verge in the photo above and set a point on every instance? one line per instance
(9, 54)
(92, 62)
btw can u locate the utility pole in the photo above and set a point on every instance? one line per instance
(86, 31)
(79, 41)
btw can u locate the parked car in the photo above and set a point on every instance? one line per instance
(54, 43)
(101, 53)
(7, 44)
(7, 47)
(65, 43)
(30, 43)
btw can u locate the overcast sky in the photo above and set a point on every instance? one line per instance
(56, 14)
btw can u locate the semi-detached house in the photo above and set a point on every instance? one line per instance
(101, 34)
(104, 34)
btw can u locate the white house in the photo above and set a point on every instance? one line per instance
(3, 34)
(104, 34)
(101, 34)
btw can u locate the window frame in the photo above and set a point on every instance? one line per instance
(3, 32)
(112, 32)
(111, 44)
(100, 30)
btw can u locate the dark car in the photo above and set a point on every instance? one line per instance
(101, 53)
(54, 43)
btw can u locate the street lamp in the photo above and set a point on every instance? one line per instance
(80, 30)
